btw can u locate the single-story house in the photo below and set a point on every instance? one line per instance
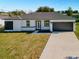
(38, 21)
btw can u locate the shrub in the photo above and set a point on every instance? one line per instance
(1, 28)
(77, 20)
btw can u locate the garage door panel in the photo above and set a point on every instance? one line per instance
(63, 26)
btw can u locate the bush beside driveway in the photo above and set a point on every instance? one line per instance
(77, 30)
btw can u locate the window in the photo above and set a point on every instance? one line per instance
(46, 23)
(28, 23)
(8, 25)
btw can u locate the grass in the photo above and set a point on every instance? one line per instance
(77, 30)
(22, 45)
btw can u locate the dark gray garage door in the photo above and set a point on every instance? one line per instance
(63, 26)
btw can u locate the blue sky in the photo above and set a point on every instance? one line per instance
(9, 5)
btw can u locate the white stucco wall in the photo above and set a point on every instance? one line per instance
(1, 22)
(31, 28)
(16, 25)
(51, 27)
(20, 25)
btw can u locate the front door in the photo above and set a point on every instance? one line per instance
(38, 25)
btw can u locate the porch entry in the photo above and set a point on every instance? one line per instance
(38, 25)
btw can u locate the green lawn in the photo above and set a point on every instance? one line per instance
(77, 30)
(22, 45)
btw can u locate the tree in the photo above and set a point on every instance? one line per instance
(16, 13)
(75, 11)
(45, 9)
(22, 12)
(69, 11)
(9, 13)
(58, 11)
(62, 12)
(51, 9)
(66, 11)
(77, 20)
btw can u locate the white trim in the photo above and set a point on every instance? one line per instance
(9, 20)
(8, 30)
(51, 27)
(62, 20)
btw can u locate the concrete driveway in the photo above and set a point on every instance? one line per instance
(61, 45)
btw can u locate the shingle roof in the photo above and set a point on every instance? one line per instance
(46, 16)
(42, 16)
(9, 17)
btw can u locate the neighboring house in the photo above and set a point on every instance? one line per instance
(39, 21)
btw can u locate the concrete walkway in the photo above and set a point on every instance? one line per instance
(61, 45)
